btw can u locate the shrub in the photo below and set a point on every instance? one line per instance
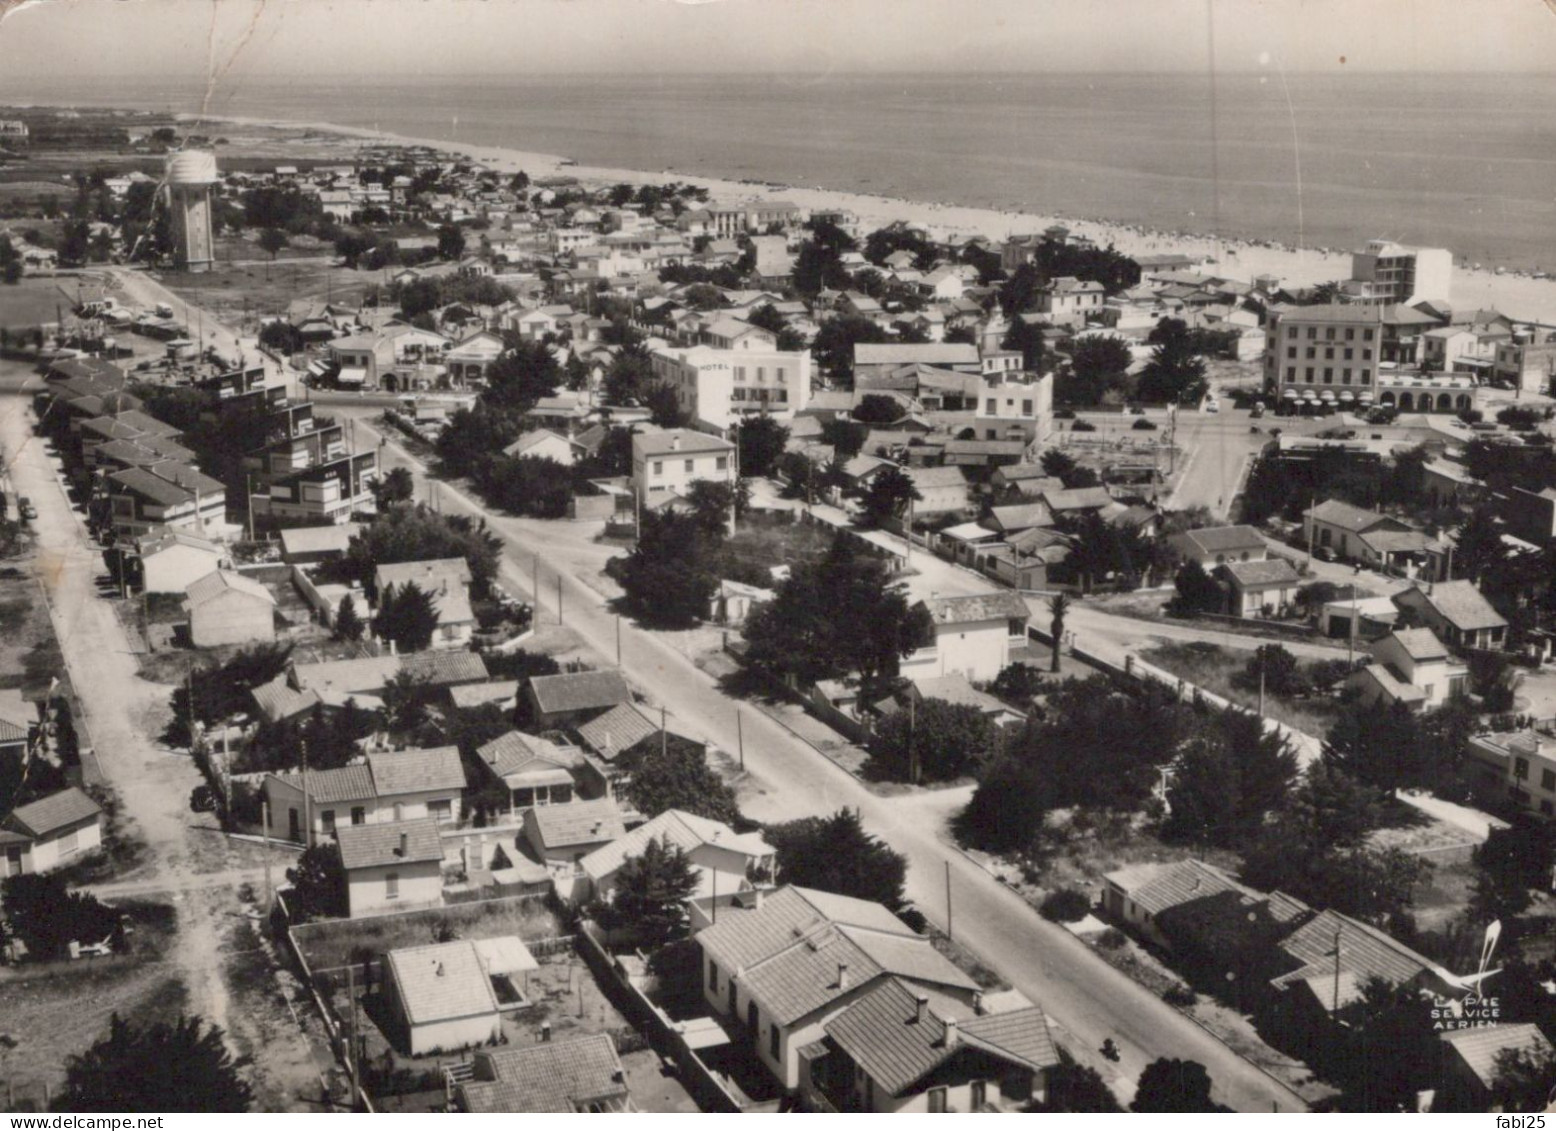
(1111, 939)
(1083, 426)
(1143, 425)
(1180, 996)
(1067, 905)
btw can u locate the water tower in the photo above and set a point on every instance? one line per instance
(190, 176)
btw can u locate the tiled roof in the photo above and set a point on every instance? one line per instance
(1022, 516)
(579, 691)
(1460, 604)
(442, 982)
(1156, 887)
(1420, 643)
(685, 831)
(429, 576)
(153, 544)
(582, 822)
(158, 490)
(1078, 498)
(930, 353)
(445, 667)
(925, 478)
(1392, 685)
(220, 582)
(559, 1076)
(1268, 572)
(344, 783)
(371, 846)
(54, 812)
(1223, 539)
(276, 700)
(517, 752)
(677, 441)
(617, 730)
(956, 689)
(1479, 1047)
(17, 716)
(1365, 952)
(362, 674)
(1336, 513)
(883, 1033)
(398, 772)
(972, 609)
(318, 539)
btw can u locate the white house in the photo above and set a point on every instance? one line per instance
(443, 995)
(542, 443)
(448, 581)
(1015, 405)
(171, 561)
(228, 608)
(393, 866)
(974, 636)
(723, 859)
(667, 463)
(720, 387)
(390, 786)
(1411, 666)
(49, 832)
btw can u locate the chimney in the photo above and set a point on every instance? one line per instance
(757, 906)
(842, 975)
(920, 1007)
(405, 844)
(675, 441)
(952, 1036)
(977, 1002)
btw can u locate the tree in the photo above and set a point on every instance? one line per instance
(667, 577)
(673, 773)
(836, 854)
(318, 883)
(1018, 684)
(1027, 336)
(398, 486)
(887, 497)
(525, 373)
(182, 1066)
(48, 917)
(844, 437)
(1079, 1089)
(1479, 549)
(348, 623)
(1232, 771)
(1281, 675)
(418, 534)
(878, 408)
(272, 240)
(1176, 373)
(1058, 607)
(1097, 365)
(717, 503)
(1383, 747)
(1523, 1078)
(933, 740)
(834, 618)
(1198, 592)
(407, 616)
(818, 264)
(1172, 1085)
(1509, 863)
(762, 441)
(651, 894)
(451, 242)
(833, 348)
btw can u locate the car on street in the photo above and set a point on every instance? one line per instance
(25, 508)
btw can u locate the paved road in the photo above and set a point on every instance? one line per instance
(1087, 999)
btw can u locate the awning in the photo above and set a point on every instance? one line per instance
(534, 779)
(1347, 395)
(1309, 395)
(1291, 395)
(1364, 398)
(352, 377)
(1326, 395)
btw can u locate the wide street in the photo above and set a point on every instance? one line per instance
(1088, 1000)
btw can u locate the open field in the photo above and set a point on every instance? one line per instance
(1212, 668)
(34, 301)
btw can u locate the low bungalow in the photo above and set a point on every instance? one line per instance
(974, 636)
(536, 771)
(173, 560)
(1333, 957)
(571, 698)
(442, 997)
(393, 866)
(542, 443)
(724, 860)
(1410, 666)
(49, 832)
(391, 786)
(1216, 545)
(956, 690)
(1257, 586)
(311, 545)
(1473, 1059)
(578, 1076)
(560, 836)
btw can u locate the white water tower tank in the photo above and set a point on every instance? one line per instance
(190, 176)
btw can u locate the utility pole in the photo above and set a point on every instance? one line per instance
(351, 1056)
(740, 735)
(248, 479)
(913, 774)
(559, 598)
(1262, 656)
(307, 801)
(950, 930)
(264, 825)
(618, 641)
(664, 732)
(1312, 528)
(1335, 1008)
(536, 586)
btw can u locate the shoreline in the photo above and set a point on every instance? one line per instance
(1520, 297)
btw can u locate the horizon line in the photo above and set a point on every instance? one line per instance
(916, 72)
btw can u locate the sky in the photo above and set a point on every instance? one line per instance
(318, 38)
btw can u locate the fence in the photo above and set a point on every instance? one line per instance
(699, 1080)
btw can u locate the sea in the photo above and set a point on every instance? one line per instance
(1466, 162)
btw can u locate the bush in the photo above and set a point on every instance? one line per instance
(1180, 996)
(1083, 426)
(1067, 905)
(1111, 939)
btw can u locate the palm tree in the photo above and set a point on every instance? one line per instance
(1058, 606)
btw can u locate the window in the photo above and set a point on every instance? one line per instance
(1366, 354)
(1350, 335)
(1349, 353)
(561, 794)
(399, 811)
(989, 407)
(1291, 331)
(723, 463)
(1311, 353)
(1366, 335)
(1291, 373)
(442, 809)
(1309, 372)
(659, 467)
(1291, 351)
(1521, 768)
(1328, 333)
(358, 815)
(713, 976)
(1329, 353)
(1312, 333)
(1345, 377)
(1328, 376)
(523, 798)
(327, 818)
(70, 842)
(1026, 408)
(772, 1042)
(1548, 779)
(392, 886)
(936, 1100)
(977, 1094)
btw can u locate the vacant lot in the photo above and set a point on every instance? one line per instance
(55, 1010)
(761, 543)
(334, 943)
(33, 302)
(1212, 667)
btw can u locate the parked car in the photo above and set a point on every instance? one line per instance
(1144, 426)
(25, 508)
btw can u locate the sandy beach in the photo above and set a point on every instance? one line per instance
(1519, 297)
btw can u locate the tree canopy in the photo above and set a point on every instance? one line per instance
(934, 741)
(836, 854)
(674, 774)
(667, 577)
(407, 616)
(182, 1066)
(651, 893)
